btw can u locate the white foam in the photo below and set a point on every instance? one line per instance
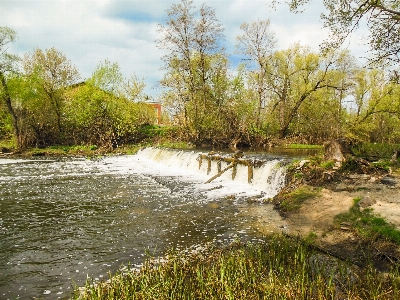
(267, 179)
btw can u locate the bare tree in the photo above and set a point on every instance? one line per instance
(383, 21)
(257, 43)
(191, 37)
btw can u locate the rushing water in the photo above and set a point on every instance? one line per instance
(65, 220)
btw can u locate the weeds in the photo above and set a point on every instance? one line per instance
(279, 268)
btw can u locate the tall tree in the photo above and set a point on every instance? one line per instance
(257, 43)
(7, 66)
(192, 38)
(382, 18)
(292, 76)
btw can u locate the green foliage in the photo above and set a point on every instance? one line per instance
(101, 118)
(175, 145)
(368, 224)
(375, 150)
(293, 200)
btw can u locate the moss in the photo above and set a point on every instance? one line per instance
(293, 200)
(327, 164)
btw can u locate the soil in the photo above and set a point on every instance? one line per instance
(315, 219)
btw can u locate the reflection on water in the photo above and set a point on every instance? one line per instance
(64, 220)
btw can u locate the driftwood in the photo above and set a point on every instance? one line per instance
(220, 173)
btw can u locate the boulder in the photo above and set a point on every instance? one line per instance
(387, 180)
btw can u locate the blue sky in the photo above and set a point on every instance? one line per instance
(124, 31)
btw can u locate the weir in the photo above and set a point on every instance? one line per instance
(248, 175)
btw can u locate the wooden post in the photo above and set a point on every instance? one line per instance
(219, 166)
(208, 165)
(234, 170)
(249, 173)
(200, 161)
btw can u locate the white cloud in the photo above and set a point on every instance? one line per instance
(123, 31)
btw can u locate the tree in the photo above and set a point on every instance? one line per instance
(257, 43)
(7, 66)
(293, 76)
(192, 38)
(345, 16)
(100, 113)
(56, 73)
(377, 102)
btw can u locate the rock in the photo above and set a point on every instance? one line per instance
(366, 202)
(389, 181)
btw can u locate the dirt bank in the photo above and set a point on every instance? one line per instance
(315, 219)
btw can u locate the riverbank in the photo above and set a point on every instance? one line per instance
(351, 215)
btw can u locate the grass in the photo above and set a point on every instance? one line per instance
(367, 224)
(304, 146)
(279, 268)
(293, 200)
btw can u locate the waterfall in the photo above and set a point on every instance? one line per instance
(268, 176)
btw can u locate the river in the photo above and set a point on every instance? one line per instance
(68, 219)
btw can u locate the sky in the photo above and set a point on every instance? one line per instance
(125, 31)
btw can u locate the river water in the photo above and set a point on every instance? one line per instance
(68, 219)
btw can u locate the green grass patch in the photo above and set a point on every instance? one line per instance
(279, 268)
(293, 200)
(304, 146)
(368, 224)
(327, 164)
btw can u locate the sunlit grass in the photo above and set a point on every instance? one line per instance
(304, 146)
(293, 200)
(368, 224)
(280, 268)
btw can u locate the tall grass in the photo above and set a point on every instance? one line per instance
(280, 268)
